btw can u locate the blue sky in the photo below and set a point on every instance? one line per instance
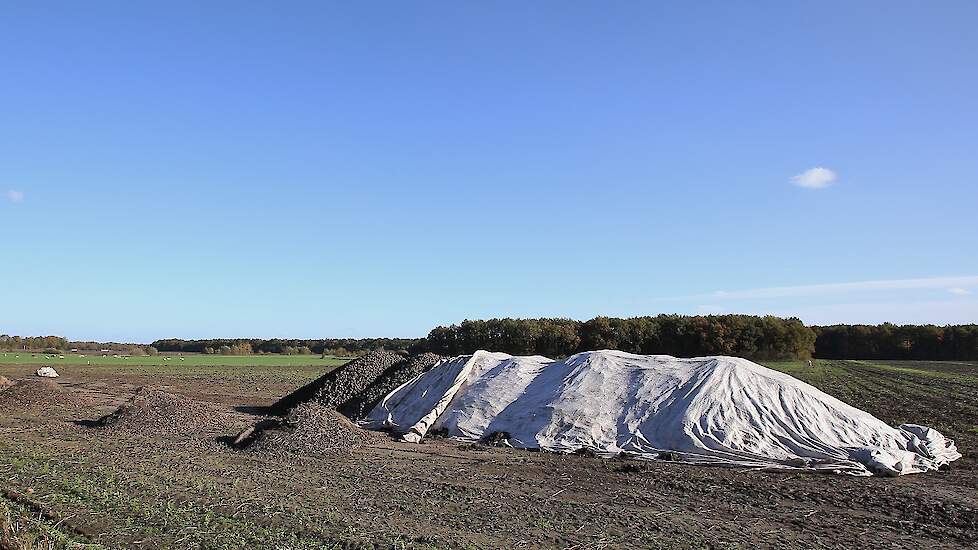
(191, 169)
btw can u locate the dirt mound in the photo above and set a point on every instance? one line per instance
(40, 392)
(5, 383)
(395, 375)
(308, 429)
(341, 384)
(153, 411)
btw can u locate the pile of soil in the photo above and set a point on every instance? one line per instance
(153, 411)
(5, 383)
(395, 375)
(341, 384)
(308, 429)
(35, 393)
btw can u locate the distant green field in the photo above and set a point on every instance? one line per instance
(97, 359)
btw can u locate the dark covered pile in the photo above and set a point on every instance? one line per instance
(309, 429)
(395, 375)
(341, 384)
(313, 423)
(155, 412)
(40, 392)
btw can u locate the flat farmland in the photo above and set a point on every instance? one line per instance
(68, 484)
(162, 360)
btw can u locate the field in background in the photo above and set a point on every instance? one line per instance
(64, 482)
(203, 360)
(229, 379)
(939, 394)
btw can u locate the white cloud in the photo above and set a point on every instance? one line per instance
(15, 196)
(815, 178)
(953, 283)
(959, 291)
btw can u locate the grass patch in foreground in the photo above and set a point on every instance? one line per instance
(93, 492)
(23, 527)
(118, 508)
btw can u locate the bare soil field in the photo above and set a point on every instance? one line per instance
(68, 481)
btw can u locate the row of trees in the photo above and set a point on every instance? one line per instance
(244, 346)
(889, 341)
(59, 344)
(135, 349)
(685, 336)
(12, 343)
(113, 347)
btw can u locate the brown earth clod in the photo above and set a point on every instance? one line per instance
(309, 429)
(152, 411)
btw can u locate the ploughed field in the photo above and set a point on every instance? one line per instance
(66, 481)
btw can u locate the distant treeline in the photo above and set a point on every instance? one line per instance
(688, 336)
(61, 344)
(680, 335)
(32, 342)
(244, 346)
(134, 349)
(889, 341)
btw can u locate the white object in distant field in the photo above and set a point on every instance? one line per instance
(47, 372)
(706, 410)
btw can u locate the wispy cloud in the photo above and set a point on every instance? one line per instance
(938, 312)
(815, 178)
(15, 196)
(955, 284)
(959, 291)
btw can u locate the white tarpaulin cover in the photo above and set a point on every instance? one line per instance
(707, 410)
